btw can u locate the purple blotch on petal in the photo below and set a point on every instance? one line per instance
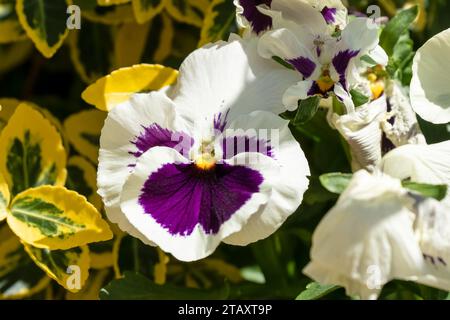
(341, 62)
(156, 136)
(259, 21)
(220, 121)
(329, 14)
(181, 196)
(315, 90)
(303, 65)
(235, 145)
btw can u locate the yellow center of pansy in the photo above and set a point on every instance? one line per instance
(206, 159)
(376, 77)
(325, 82)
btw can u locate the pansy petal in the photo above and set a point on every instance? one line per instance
(361, 34)
(249, 15)
(230, 76)
(420, 163)
(430, 91)
(362, 130)
(345, 97)
(188, 212)
(299, 91)
(292, 181)
(382, 246)
(145, 121)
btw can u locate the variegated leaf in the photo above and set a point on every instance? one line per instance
(10, 28)
(145, 10)
(31, 151)
(102, 255)
(70, 268)
(55, 218)
(4, 198)
(129, 45)
(117, 87)
(19, 276)
(110, 15)
(187, 11)
(111, 2)
(83, 130)
(219, 18)
(44, 22)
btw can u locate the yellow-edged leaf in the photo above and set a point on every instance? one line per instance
(83, 130)
(5, 197)
(10, 28)
(111, 2)
(31, 151)
(222, 268)
(117, 87)
(186, 11)
(91, 289)
(45, 23)
(111, 15)
(14, 54)
(166, 37)
(82, 178)
(130, 43)
(19, 276)
(116, 249)
(145, 10)
(102, 254)
(55, 218)
(8, 105)
(70, 268)
(218, 20)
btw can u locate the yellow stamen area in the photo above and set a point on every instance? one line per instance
(325, 83)
(205, 162)
(377, 89)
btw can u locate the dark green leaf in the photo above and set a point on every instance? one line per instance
(335, 182)
(358, 98)
(316, 291)
(437, 192)
(306, 110)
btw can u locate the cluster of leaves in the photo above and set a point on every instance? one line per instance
(50, 214)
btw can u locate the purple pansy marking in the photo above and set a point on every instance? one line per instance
(341, 62)
(315, 90)
(235, 145)
(259, 21)
(156, 136)
(303, 65)
(181, 196)
(329, 14)
(220, 121)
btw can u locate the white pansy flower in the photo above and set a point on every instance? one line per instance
(204, 166)
(430, 92)
(378, 232)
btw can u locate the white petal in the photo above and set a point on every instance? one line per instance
(430, 90)
(230, 75)
(197, 244)
(362, 130)
(295, 93)
(361, 34)
(420, 163)
(122, 126)
(291, 183)
(345, 97)
(405, 128)
(367, 239)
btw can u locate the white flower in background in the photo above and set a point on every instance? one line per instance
(378, 232)
(189, 171)
(327, 68)
(253, 14)
(430, 90)
(420, 163)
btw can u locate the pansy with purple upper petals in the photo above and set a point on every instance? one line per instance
(204, 166)
(324, 67)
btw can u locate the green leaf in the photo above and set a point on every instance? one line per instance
(137, 287)
(306, 110)
(358, 98)
(437, 192)
(335, 182)
(397, 26)
(44, 22)
(316, 291)
(218, 21)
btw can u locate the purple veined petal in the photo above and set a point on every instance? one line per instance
(220, 121)
(303, 65)
(156, 136)
(259, 21)
(341, 62)
(234, 145)
(329, 14)
(181, 196)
